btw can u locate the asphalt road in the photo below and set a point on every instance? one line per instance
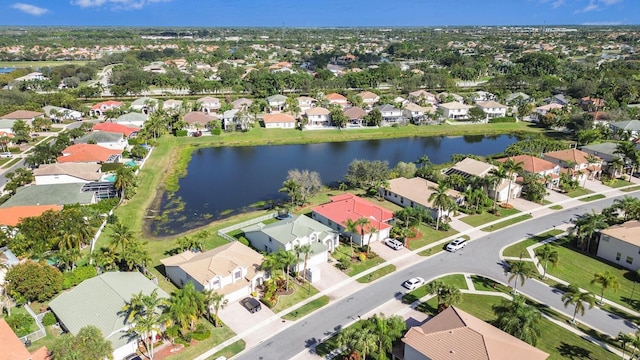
(480, 256)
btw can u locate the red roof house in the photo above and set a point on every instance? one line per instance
(86, 153)
(348, 206)
(128, 131)
(11, 216)
(99, 108)
(11, 348)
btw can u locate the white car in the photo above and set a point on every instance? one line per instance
(413, 283)
(394, 244)
(6, 155)
(456, 244)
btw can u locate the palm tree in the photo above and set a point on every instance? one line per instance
(270, 263)
(629, 152)
(435, 287)
(440, 198)
(358, 341)
(586, 226)
(573, 296)
(451, 295)
(547, 255)
(624, 338)
(362, 222)
(496, 175)
(145, 313)
(519, 270)
(518, 319)
(125, 179)
(512, 167)
(215, 301)
(186, 305)
(351, 226)
(630, 206)
(606, 280)
(635, 342)
(286, 260)
(120, 236)
(306, 250)
(387, 330)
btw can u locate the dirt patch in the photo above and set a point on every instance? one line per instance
(169, 349)
(409, 240)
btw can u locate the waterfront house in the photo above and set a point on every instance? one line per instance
(415, 193)
(64, 173)
(493, 109)
(455, 110)
(197, 121)
(318, 117)
(89, 153)
(547, 170)
(276, 102)
(13, 215)
(280, 121)
(54, 194)
(106, 139)
(578, 164)
(390, 114)
(355, 115)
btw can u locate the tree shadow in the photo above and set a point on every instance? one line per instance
(426, 308)
(573, 352)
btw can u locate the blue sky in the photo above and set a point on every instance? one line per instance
(301, 13)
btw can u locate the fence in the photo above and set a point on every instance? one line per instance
(223, 232)
(38, 334)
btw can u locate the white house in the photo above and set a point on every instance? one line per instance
(64, 173)
(145, 105)
(416, 112)
(318, 117)
(369, 98)
(232, 270)
(171, 104)
(493, 109)
(455, 110)
(277, 102)
(58, 114)
(108, 140)
(133, 119)
(281, 121)
(390, 114)
(305, 103)
(209, 104)
(100, 108)
(620, 244)
(422, 96)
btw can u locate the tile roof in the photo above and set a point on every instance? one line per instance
(355, 112)
(491, 104)
(12, 347)
(11, 216)
(549, 107)
(287, 230)
(278, 118)
(21, 115)
(454, 105)
(84, 171)
(368, 95)
(87, 153)
(473, 167)
(626, 232)
(132, 117)
(276, 98)
(335, 97)
(197, 117)
(632, 125)
(417, 108)
(107, 104)
(531, 164)
(574, 155)
(349, 206)
(116, 128)
(100, 137)
(455, 334)
(417, 190)
(143, 100)
(317, 111)
(54, 194)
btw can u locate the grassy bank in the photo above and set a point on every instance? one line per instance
(37, 64)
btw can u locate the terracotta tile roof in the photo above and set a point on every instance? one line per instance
(531, 164)
(349, 206)
(197, 117)
(12, 347)
(87, 153)
(41, 354)
(368, 95)
(573, 155)
(355, 113)
(317, 111)
(7, 134)
(417, 190)
(21, 115)
(116, 128)
(335, 97)
(455, 334)
(627, 232)
(278, 118)
(106, 104)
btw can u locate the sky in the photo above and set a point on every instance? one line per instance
(319, 13)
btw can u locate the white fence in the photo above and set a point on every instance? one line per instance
(38, 334)
(223, 232)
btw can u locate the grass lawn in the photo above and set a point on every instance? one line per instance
(556, 207)
(593, 197)
(456, 280)
(617, 183)
(7, 163)
(307, 308)
(431, 251)
(481, 219)
(52, 335)
(578, 268)
(218, 336)
(633, 188)
(356, 266)
(429, 236)
(506, 223)
(482, 283)
(385, 270)
(578, 192)
(230, 350)
(300, 293)
(44, 63)
(520, 248)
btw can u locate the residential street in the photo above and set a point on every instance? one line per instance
(481, 257)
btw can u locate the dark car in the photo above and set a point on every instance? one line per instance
(251, 304)
(132, 357)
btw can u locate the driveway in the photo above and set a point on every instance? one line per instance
(331, 278)
(239, 319)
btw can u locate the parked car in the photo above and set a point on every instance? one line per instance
(395, 244)
(132, 357)
(6, 155)
(456, 244)
(251, 304)
(413, 283)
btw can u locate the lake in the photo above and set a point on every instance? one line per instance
(5, 70)
(223, 181)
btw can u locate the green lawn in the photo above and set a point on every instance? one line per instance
(218, 336)
(357, 266)
(481, 219)
(578, 192)
(506, 223)
(456, 280)
(617, 183)
(482, 283)
(578, 268)
(300, 293)
(431, 251)
(428, 236)
(38, 64)
(307, 308)
(230, 350)
(520, 248)
(375, 275)
(556, 207)
(633, 188)
(593, 197)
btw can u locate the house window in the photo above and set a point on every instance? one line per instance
(618, 255)
(237, 275)
(629, 260)
(215, 284)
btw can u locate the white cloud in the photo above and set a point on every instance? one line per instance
(116, 4)
(557, 4)
(30, 9)
(597, 5)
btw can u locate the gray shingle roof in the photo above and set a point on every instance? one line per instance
(57, 194)
(99, 137)
(632, 125)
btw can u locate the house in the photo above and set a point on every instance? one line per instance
(318, 117)
(347, 206)
(7, 260)
(355, 115)
(99, 301)
(145, 105)
(337, 99)
(281, 121)
(129, 132)
(305, 103)
(65, 173)
(591, 104)
(422, 96)
(469, 167)
(455, 110)
(535, 165)
(11, 216)
(620, 244)
(6, 127)
(455, 334)
(606, 152)
(297, 230)
(541, 111)
(559, 99)
(230, 120)
(132, 119)
(171, 104)
(277, 102)
(368, 98)
(241, 103)
(197, 121)
(482, 96)
(415, 193)
(415, 112)
(209, 104)
(631, 127)
(232, 270)
(100, 108)
(390, 114)
(108, 140)
(59, 114)
(449, 97)
(89, 153)
(578, 164)
(517, 98)
(24, 115)
(54, 194)
(493, 109)
(14, 349)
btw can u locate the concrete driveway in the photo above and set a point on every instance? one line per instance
(386, 252)
(331, 278)
(239, 319)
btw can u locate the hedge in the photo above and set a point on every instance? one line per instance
(108, 167)
(77, 275)
(504, 119)
(180, 133)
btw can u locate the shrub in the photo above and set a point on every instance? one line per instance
(243, 240)
(267, 302)
(34, 281)
(201, 333)
(362, 257)
(111, 167)
(216, 131)
(504, 119)
(78, 275)
(180, 133)
(49, 319)
(20, 323)
(343, 264)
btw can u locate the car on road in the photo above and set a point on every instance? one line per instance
(413, 283)
(456, 244)
(395, 244)
(251, 304)
(6, 155)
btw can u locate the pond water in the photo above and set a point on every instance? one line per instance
(223, 181)
(5, 70)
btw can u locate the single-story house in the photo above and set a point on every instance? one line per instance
(232, 270)
(480, 96)
(99, 301)
(145, 105)
(58, 114)
(415, 193)
(368, 98)
(54, 194)
(24, 115)
(14, 349)
(100, 108)
(337, 99)
(455, 110)
(280, 120)
(578, 164)
(64, 173)
(131, 119)
(89, 153)
(241, 103)
(541, 111)
(197, 121)
(492, 108)
(277, 102)
(106, 139)
(355, 115)
(209, 104)
(128, 131)
(536, 165)
(517, 98)
(318, 117)
(632, 127)
(454, 333)
(390, 114)
(297, 230)
(620, 244)
(6, 126)
(171, 104)
(348, 206)
(11, 216)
